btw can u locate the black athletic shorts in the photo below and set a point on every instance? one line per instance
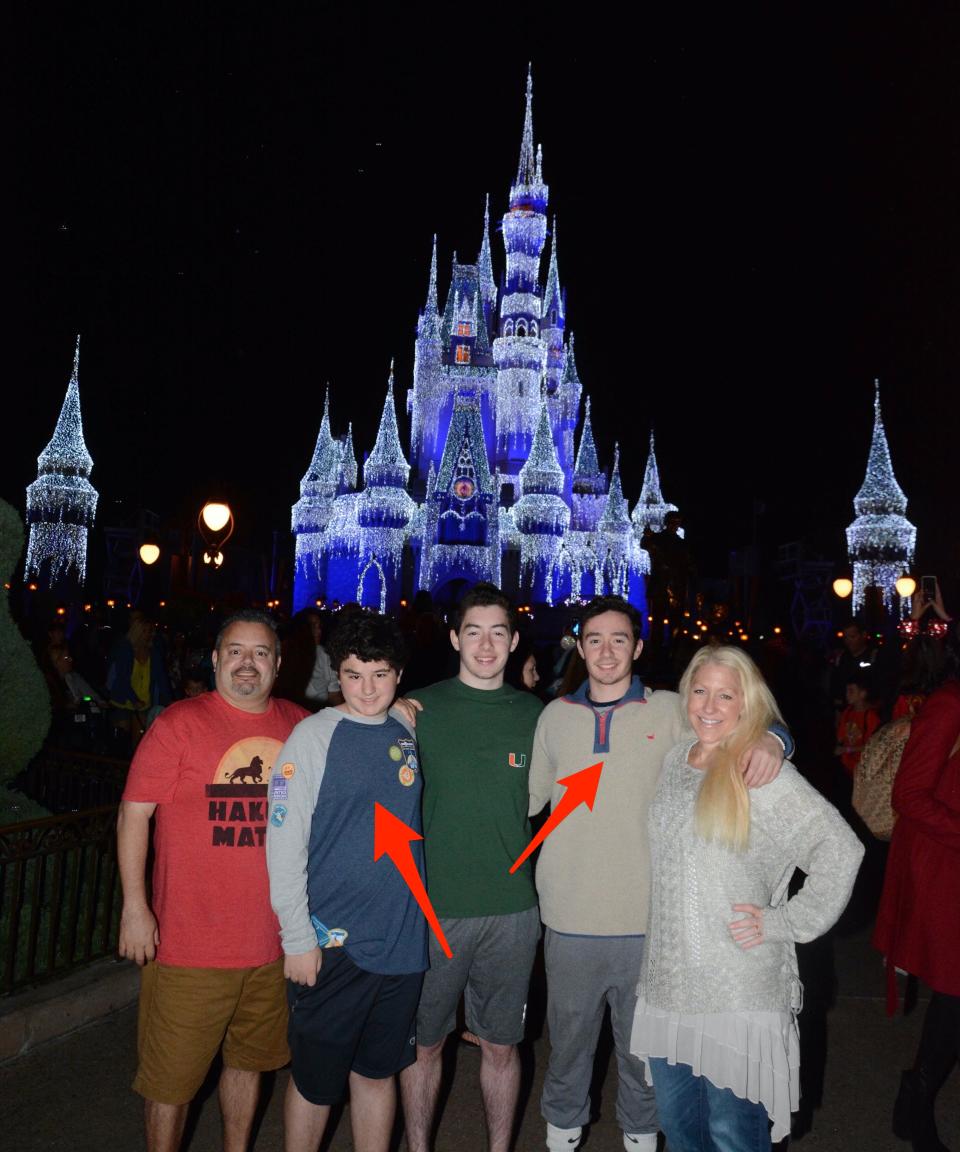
(350, 1021)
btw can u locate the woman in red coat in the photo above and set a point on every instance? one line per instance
(918, 923)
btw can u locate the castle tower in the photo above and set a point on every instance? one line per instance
(384, 512)
(461, 526)
(488, 285)
(589, 482)
(519, 352)
(623, 561)
(61, 502)
(425, 399)
(651, 507)
(311, 514)
(880, 541)
(541, 515)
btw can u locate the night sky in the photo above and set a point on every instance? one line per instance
(758, 213)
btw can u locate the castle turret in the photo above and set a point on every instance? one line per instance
(880, 541)
(488, 285)
(617, 549)
(461, 529)
(426, 398)
(541, 514)
(384, 510)
(651, 508)
(519, 352)
(553, 319)
(61, 502)
(312, 512)
(589, 481)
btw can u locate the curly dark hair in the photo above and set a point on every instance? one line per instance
(369, 637)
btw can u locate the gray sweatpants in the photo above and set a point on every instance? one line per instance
(583, 974)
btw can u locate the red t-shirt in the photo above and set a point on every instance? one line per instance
(206, 765)
(853, 731)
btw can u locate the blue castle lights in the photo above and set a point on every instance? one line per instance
(493, 488)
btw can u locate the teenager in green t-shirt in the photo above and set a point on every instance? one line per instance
(476, 736)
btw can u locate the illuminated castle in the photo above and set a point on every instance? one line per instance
(492, 488)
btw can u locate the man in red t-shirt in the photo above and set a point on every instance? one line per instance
(210, 945)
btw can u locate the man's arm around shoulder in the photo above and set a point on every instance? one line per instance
(543, 770)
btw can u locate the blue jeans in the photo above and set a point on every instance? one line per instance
(696, 1116)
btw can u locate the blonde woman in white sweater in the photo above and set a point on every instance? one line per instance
(716, 1016)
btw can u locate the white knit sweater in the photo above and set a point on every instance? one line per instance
(690, 963)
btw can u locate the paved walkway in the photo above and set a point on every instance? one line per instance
(72, 1094)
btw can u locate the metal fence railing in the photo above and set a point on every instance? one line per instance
(59, 895)
(63, 780)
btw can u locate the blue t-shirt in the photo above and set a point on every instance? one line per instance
(326, 781)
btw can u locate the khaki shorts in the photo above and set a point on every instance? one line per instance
(186, 1014)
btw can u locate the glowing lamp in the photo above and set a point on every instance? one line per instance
(905, 586)
(842, 587)
(149, 553)
(215, 524)
(215, 516)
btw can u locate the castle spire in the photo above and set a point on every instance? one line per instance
(61, 502)
(488, 286)
(587, 465)
(651, 508)
(429, 326)
(541, 473)
(615, 519)
(349, 459)
(570, 375)
(553, 297)
(326, 458)
(386, 465)
(880, 541)
(880, 493)
(67, 447)
(527, 168)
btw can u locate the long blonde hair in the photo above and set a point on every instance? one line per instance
(722, 813)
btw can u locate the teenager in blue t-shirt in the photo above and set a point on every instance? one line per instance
(354, 938)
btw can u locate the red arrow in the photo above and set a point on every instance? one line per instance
(392, 836)
(581, 789)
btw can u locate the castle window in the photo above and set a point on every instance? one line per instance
(508, 328)
(553, 318)
(533, 328)
(521, 327)
(464, 328)
(463, 353)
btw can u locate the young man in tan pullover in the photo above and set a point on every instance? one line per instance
(593, 875)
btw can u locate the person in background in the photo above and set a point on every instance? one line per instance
(137, 683)
(918, 925)
(858, 722)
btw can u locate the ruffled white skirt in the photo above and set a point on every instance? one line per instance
(754, 1054)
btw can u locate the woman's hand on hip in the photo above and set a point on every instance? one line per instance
(747, 929)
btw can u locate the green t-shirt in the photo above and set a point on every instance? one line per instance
(475, 750)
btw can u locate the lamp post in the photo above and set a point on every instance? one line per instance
(215, 525)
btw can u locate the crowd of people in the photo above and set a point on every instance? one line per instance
(277, 927)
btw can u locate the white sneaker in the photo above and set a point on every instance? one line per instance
(640, 1142)
(562, 1139)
